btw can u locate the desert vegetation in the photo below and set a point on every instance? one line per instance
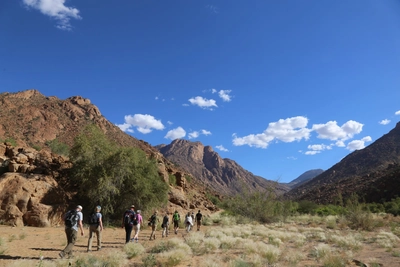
(110, 175)
(226, 240)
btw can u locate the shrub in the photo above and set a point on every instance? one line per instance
(356, 216)
(133, 249)
(149, 261)
(57, 147)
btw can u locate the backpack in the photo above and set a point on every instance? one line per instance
(128, 217)
(93, 219)
(152, 220)
(198, 216)
(135, 219)
(71, 218)
(176, 216)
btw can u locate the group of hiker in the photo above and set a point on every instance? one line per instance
(132, 221)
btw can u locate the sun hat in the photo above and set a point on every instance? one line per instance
(79, 207)
(133, 206)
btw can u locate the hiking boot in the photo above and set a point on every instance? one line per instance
(98, 249)
(89, 250)
(61, 254)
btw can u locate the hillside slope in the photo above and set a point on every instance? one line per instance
(373, 173)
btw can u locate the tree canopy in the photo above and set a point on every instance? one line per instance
(112, 176)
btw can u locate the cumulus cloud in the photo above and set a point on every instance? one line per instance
(384, 122)
(205, 132)
(176, 133)
(397, 112)
(358, 144)
(144, 123)
(222, 148)
(312, 152)
(315, 149)
(332, 131)
(285, 130)
(203, 102)
(223, 94)
(196, 134)
(56, 10)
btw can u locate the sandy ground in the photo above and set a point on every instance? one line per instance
(32, 244)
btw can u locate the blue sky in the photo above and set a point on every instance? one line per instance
(281, 87)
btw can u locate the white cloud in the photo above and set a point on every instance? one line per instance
(156, 98)
(358, 144)
(144, 123)
(170, 122)
(205, 132)
(223, 94)
(56, 10)
(397, 112)
(312, 152)
(384, 122)
(203, 102)
(176, 133)
(332, 131)
(125, 127)
(292, 158)
(315, 149)
(222, 148)
(288, 130)
(194, 134)
(340, 143)
(185, 105)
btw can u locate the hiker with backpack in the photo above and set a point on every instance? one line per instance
(127, 222)
(139, 220)
(197, 219)
(73, 220)
(176, 218)
(95, 227)
(165, 225)
(188, 222)
(153, 220)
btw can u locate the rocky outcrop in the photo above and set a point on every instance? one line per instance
(222, 175)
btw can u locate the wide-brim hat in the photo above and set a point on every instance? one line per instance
(133, 206)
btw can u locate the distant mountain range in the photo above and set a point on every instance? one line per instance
(223, 175)
(305, 177)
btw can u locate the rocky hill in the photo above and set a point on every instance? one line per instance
(223, 175)
(373, 173)
(305, 177)
(32, 182)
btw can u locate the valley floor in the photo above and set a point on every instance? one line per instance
(289, 244)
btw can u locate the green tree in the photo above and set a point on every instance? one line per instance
(114, 177)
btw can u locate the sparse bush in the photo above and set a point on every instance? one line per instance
(356, 216)
(172, 179)
(11, 141)
(149, 261)
(133, 249)
(57, 147)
